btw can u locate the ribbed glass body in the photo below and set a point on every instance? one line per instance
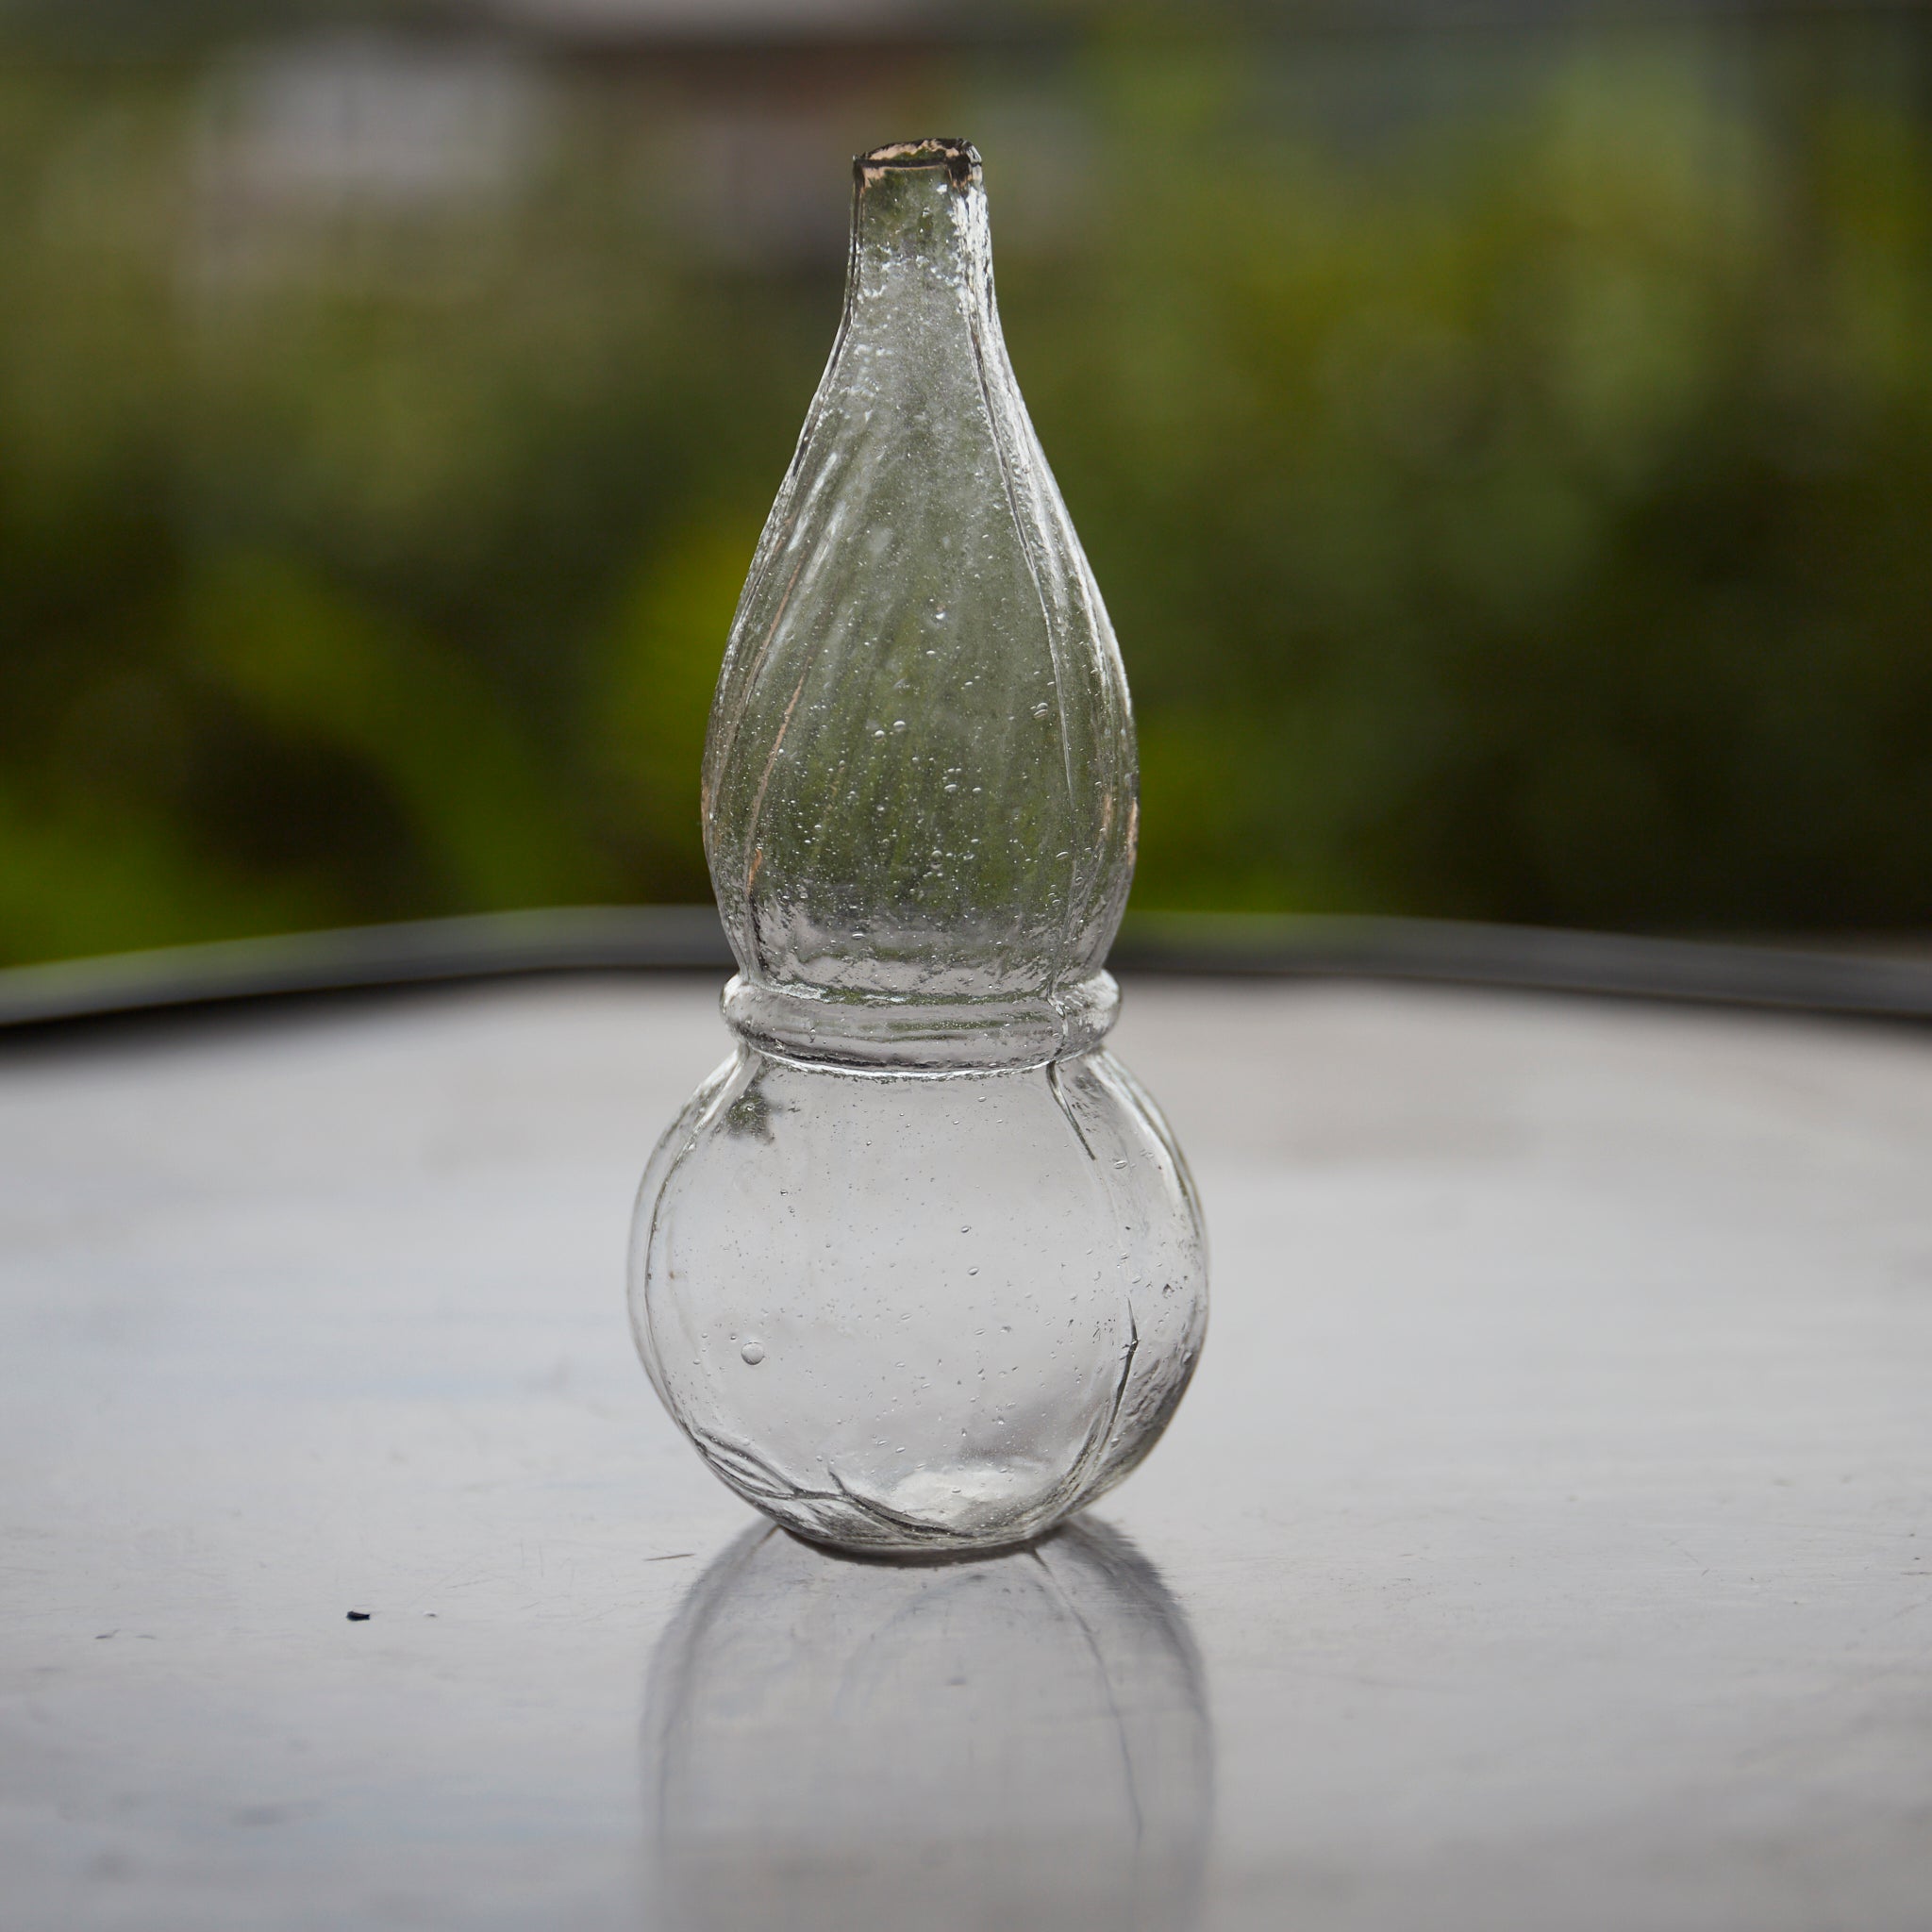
(920, 1265)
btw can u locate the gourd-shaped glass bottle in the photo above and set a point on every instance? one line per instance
(919, 1266)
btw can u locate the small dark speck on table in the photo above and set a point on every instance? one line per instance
(359, 1616)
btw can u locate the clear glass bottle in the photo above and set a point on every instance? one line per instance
(919, 1266)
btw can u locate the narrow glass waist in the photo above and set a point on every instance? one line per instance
(923, 1036)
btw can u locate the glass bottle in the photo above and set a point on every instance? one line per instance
(919, 1266)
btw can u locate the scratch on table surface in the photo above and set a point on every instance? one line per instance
(1907, 1611)
(1701, 1567)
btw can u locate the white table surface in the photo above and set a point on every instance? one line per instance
(1545, 1543)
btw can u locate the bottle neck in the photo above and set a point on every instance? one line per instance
(921, 244)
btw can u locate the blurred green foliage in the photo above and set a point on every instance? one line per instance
(1509, 460)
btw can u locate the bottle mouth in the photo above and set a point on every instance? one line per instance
(959, 158)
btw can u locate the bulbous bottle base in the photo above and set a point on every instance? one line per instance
(919, 1312)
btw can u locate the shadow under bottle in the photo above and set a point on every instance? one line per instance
(933, 1744)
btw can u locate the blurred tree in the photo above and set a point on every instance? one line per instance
(1508, 459)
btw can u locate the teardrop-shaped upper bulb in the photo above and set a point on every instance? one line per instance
(919, 783)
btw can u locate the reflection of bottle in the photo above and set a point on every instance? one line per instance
(929, 1745)
(919, 1266)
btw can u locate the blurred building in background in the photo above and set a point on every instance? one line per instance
(1505, 439)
